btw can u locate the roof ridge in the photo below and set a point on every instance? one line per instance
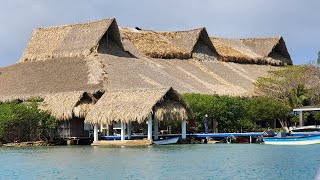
(244, 38)
(75, 24)
(157, 31)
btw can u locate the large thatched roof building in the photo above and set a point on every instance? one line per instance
(90, 57)
(96, 71)
(271, 50)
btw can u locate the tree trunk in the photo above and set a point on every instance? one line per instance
(284, 124)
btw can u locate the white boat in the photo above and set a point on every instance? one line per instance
(172, 140)
(292, 140)
(311, 128)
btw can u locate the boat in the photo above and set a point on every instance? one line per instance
(172, 140)
(311, 128)
(292, 140)
(282, 139)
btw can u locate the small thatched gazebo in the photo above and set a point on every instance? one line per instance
(139, 105)
(70, 109)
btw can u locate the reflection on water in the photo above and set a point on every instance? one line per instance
(214, 161)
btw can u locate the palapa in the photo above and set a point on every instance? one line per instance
(102, 70)
(136, 105)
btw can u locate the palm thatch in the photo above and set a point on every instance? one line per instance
(104, 71)
(187, 76)
(66, 105)
(136, 105)
(72, 40)
(38, 79)
(270, 51)
(107, 72)
(170, 45)
(169, 109)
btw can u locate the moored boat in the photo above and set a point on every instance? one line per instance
(292, 140)
(172, 140)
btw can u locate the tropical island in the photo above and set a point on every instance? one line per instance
(75, 79)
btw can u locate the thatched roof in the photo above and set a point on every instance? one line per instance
(270, 51)
(103, 70)
(187, 76)
(107, 72)
(66, 105)
(38, 79)
(168, 45)
(136, 105)
(72, 40)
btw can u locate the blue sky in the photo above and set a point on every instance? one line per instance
(296, 20)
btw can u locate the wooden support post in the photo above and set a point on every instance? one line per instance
(301, 118)
(123, 128)
(150, 127)
(129, 130)
(184, 129)
(69, 128)
(101, 128)
(108, 130)
(156, 129)
(95, 132)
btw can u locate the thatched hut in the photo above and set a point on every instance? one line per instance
(271, 51)
(139, 105)
(70, 109)
(170, 45)
(74, 40)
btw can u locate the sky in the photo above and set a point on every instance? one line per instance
(297, 21)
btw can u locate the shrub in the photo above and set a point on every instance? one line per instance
(24, 122)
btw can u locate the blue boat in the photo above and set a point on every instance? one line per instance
(292, 140)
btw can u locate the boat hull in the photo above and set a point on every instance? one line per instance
(173, 140)
(292, 140)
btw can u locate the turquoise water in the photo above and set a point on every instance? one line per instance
(202, 161)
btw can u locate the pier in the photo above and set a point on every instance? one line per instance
(196, 136)
(201, 136)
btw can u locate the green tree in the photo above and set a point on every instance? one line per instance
(226, 110)
(292, 85)
(263, 109)
(24, 122)
(201, 104)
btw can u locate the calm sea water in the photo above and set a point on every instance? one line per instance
(202, 161)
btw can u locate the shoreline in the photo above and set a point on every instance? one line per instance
(27, 144)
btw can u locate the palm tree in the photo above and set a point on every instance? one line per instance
(298, 97)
